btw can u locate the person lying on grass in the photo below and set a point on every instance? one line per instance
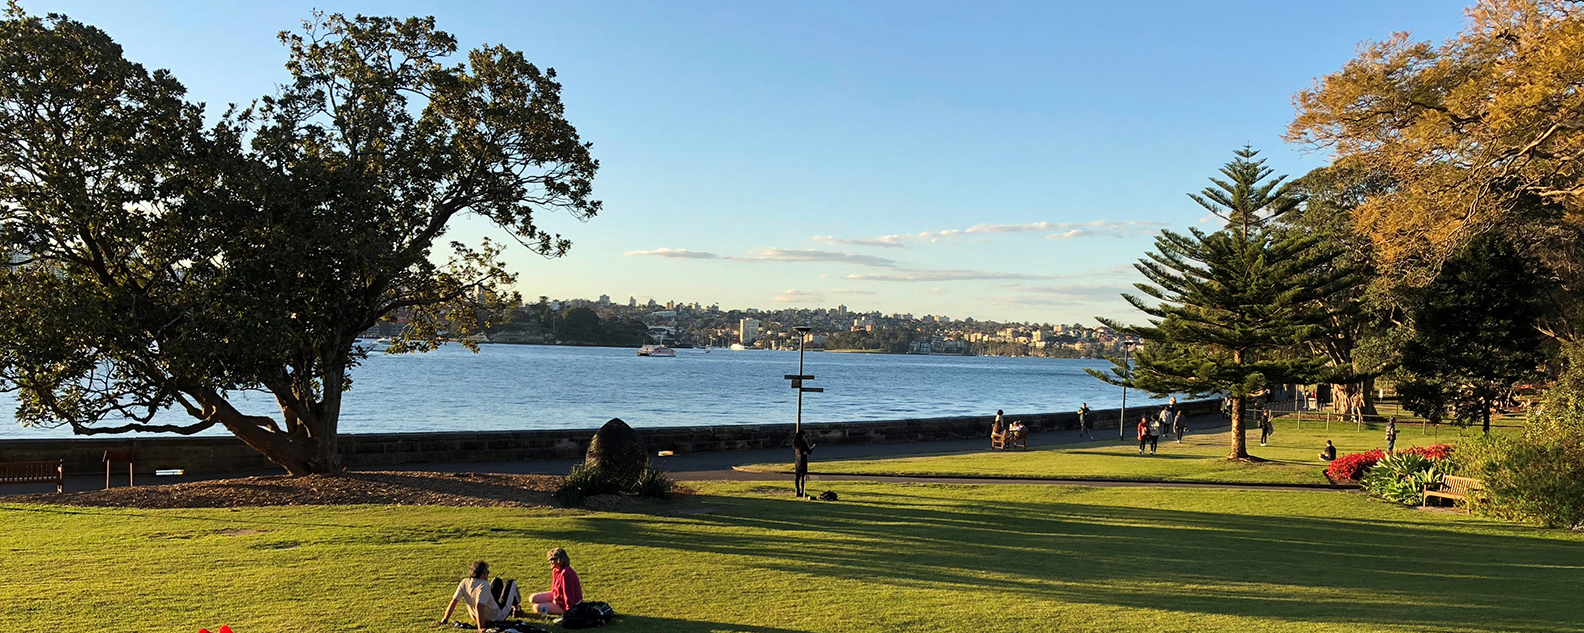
(565, 589)
(487, 602)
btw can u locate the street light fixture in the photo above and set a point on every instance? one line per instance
(798, 378)
(1127, 369)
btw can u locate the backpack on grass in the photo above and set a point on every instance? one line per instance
(828, 495)
(587, 614)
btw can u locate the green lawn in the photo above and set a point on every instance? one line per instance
(1293, 454)
(888, 557)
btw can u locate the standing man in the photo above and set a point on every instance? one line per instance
(1265, 426)
(800, 453)
(1391, 435)
(1178, 425)
(1083, 421)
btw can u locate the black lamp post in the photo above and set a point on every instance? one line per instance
(798, 378)
(1127, 368)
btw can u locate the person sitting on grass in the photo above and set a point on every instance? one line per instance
(1329, 453)
(565, 589)
(487, 602)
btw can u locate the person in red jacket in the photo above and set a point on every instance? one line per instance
(565, 589)
(1144, 436)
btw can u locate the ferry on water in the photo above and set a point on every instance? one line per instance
(656, 350)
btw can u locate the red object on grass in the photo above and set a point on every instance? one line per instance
(224, 629)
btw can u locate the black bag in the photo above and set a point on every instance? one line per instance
(586, 614)
(828, 495)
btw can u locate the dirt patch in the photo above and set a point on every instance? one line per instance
(241, 532)
(375, 488)
(779, 491)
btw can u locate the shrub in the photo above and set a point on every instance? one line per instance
(1351, 467)
(1403, 477)
(584, 481)
(1538, 475)
(653, 484)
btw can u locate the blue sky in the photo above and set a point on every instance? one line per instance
(992, 160)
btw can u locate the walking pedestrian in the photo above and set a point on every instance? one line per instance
(1391, 435)
(1154, 434)
(1179, 425)
(1265, 426)
(1143, 433)
(801, 448)
(1083, 421)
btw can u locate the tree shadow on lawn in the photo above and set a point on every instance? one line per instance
(1294, 568)
(649, 623)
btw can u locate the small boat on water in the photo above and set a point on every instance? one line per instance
(737, 347)
(656, 350)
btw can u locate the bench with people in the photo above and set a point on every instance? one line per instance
(1003, 435)
(492, 604)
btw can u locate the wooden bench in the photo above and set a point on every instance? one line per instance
(998, 441)
(1457, 489)
(1018, 438)
(35, 473)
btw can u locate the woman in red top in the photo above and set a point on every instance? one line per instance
(565, 590)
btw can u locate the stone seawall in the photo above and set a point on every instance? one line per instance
(365, 450)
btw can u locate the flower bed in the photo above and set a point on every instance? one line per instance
(1353, 466)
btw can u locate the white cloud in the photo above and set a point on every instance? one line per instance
(934, 291)
(946, 275)
(800, 255)
(853, 291)
(884, 241)
(675, 253)
(1053, 231)
(793, 295)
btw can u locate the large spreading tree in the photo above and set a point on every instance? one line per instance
(1481, 133)
(154, 262)
(1234, 311)
(1474, 334)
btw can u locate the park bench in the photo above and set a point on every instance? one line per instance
(1456, 489)
(1009, 438)
(35, 473)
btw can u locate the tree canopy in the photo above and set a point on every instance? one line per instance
(155, 262)
(1484, 132)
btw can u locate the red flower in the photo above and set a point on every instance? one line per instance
(1353, 466)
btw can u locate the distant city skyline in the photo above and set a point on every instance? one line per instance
(1006, 161)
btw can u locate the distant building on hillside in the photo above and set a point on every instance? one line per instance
(748, 331)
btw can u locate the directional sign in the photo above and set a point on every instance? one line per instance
(812, 389)
(799, 377)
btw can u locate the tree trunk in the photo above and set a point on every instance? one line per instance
(1485, 411)
(1350, 400)
(1239, 441)
(259, 433)
(1369, 397)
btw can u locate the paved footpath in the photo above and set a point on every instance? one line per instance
(718, 466)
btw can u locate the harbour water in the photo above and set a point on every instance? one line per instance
(508, 387)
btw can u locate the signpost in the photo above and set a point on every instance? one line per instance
(798, 378)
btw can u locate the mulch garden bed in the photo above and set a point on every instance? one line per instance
(374, 488)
